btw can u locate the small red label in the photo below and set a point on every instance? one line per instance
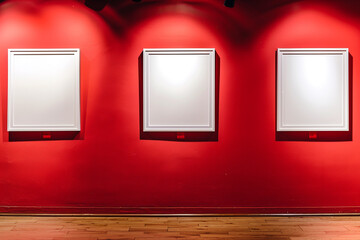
(180, 136)
(46, 136)
(312, 135)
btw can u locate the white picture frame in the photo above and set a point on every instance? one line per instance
(312, 89)
(43, 90)
(179, 90)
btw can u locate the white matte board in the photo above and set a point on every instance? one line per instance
(179, 90)
(44, 90)
(313, 89)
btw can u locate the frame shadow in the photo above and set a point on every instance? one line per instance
(318, 136)
(44, 136)
(181, 136)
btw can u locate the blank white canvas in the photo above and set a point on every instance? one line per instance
(179, 90)
(44, 91)
(312, 90)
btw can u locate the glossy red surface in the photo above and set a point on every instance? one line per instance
(108, 168)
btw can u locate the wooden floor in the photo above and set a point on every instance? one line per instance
(170, 228)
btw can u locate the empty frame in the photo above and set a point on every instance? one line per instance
(179, 90)
(44, 90)
(312, 89)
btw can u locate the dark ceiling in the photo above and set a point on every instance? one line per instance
(254, 4)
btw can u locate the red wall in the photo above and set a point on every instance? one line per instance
(107, 168)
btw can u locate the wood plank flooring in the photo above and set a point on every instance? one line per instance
(171, 228)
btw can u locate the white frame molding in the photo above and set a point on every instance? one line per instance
(209, 65)
(333, 73)
(16, 72)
